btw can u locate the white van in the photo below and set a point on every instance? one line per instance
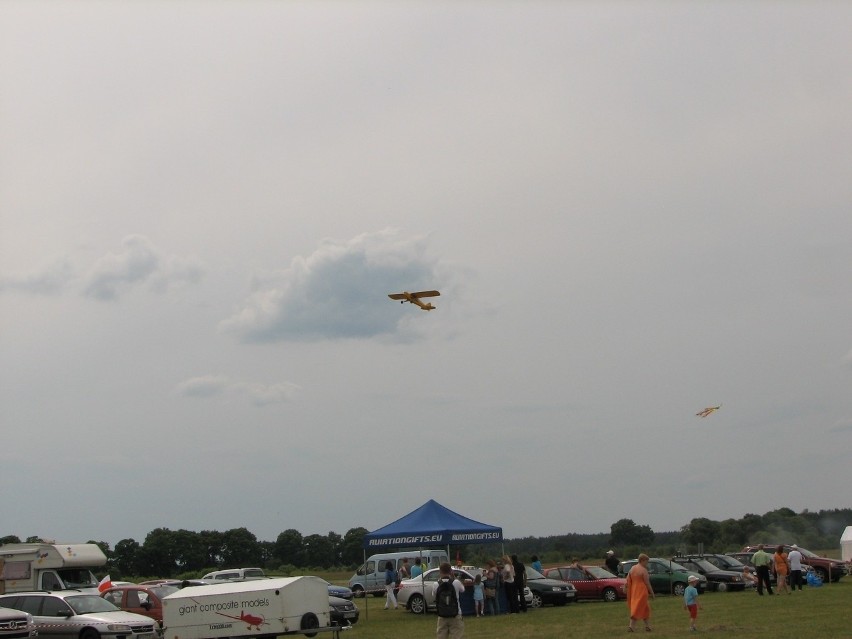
(235, 574)
(370, 577)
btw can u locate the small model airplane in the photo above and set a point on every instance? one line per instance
(414, 298)
(708, 411)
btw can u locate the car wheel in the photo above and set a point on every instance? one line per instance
(721, 587)
(309, 622)
(417, 604)
(536, 602)
(357, 591)
(90, 633)
(609, 594)
(822, 573)
(678, 588)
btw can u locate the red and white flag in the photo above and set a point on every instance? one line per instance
(104, 584)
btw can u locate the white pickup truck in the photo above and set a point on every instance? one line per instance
(262, 608)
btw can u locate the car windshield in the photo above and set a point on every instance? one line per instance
(84, 604)
(732, 563)
(704, 564)
(78, 578)
(675, 566)
(599, 573)
(163, 591)
(808, 553)
(532, 573)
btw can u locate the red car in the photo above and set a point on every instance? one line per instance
(143, 600)
(591, 582)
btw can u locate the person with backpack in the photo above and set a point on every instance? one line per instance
(390, 586)
(492, 585)
(447, 592)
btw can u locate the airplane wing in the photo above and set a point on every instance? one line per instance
(396, 296)
(426, 294)
(708, 411)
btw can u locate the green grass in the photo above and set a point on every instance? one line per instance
(814, 612)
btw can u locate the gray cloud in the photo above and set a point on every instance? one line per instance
(260, 394)
(50, 281)
(338, 291)
(138, 262)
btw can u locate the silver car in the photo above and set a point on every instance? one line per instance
(15, 624)
(74, 615)
(416, 593)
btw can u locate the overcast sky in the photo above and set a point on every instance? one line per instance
(633, 210)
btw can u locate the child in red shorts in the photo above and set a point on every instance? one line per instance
(690, 601)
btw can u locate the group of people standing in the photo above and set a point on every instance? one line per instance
(783, 565)
(510, 576)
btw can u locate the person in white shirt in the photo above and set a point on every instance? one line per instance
(795, 559)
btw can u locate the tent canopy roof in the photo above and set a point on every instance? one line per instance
(432, 525)
(847, 534)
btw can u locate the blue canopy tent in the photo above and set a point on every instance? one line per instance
(433, 525)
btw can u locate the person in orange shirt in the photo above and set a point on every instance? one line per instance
(782, 569)
(638, 590)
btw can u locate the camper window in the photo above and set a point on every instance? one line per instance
(15, 570)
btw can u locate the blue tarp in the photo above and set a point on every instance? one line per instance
(432, 525)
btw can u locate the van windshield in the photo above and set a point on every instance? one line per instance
(78, 578)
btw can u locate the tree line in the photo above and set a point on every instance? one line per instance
(188, 554)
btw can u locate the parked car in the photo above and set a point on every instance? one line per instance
(717, 579)
(234, 574)
(666, 576)
(340, 591)
(591, 582)
(177, 583)
(823, 567)
(725, 562)
(143, 600)
(343, 612)
(69, 614)
(15, 624)
(417, 596)
(548, 591)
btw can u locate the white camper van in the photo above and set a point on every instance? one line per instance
(370, 576)
(39, 566)
(259, 608)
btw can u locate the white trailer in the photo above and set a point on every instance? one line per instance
(259, 608)
(49, 566)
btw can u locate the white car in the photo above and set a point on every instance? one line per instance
(416, 595)
(60, 615)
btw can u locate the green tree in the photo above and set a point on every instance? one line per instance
(352, 546)
(10, 539)
(319, 551)
(240, 548)
(701, 531)
(159, 553)
(288, 547)
(211, 541)
(625, 532)
(125, 557)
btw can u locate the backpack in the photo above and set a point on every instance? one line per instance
(446, 599)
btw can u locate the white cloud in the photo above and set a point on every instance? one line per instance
(338, 291)
(217, 385)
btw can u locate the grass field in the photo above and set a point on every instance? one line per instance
(818, 613)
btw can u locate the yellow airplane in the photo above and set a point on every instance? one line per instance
(414, 298)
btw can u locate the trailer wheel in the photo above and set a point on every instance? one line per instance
(310, 622)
